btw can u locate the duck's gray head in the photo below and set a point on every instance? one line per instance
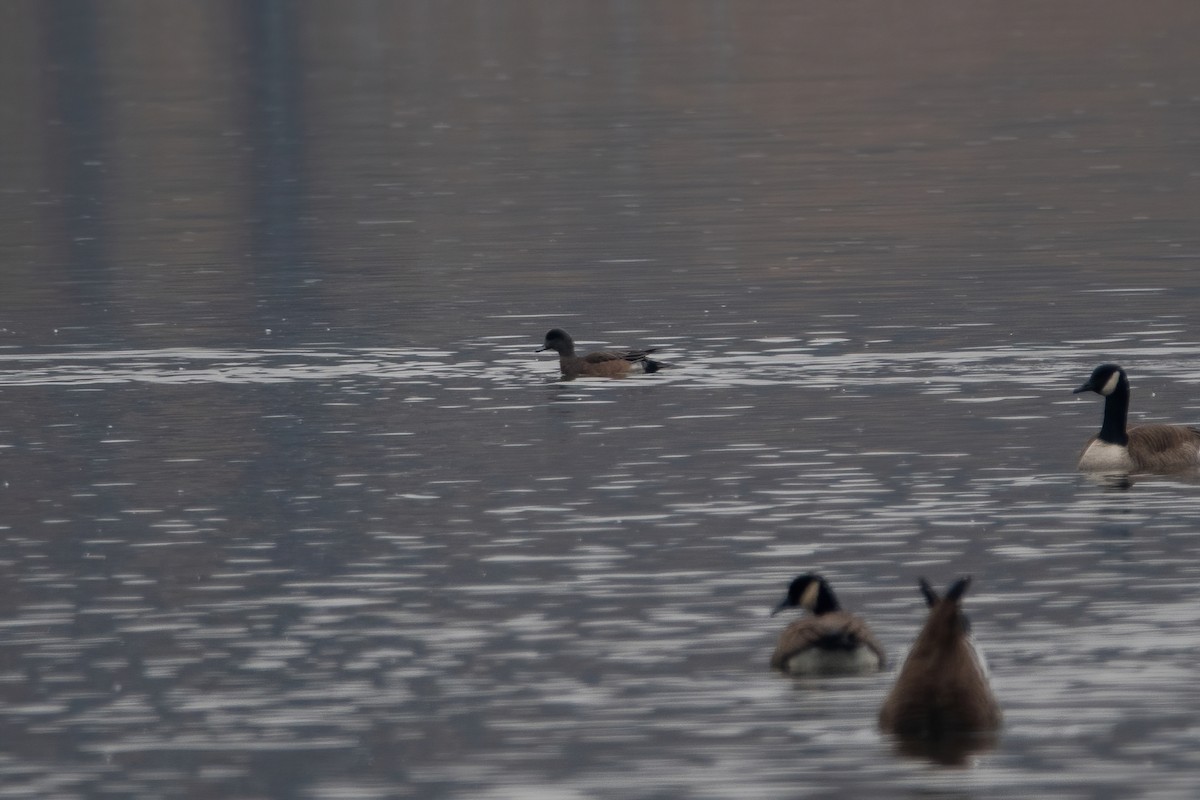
(560, 341)
(1104, 380)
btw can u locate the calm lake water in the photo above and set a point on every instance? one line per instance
(289, 507)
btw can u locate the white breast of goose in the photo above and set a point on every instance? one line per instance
(819, 661)
(1101, 455)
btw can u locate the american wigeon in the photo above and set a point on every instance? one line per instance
(942, 691)
(828, 640)
(1142, 448)
(601, 364)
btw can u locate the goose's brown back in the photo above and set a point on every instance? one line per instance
(1161, 448)
(834, 630)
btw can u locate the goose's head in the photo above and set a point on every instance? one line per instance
(1104, 380)
(810, 592)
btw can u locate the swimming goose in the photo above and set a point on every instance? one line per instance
(601, 364)
(942, 690)
(1143, 448)
(827, 641)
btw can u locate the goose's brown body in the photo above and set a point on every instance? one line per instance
(830, 643)
(1150, 448)
(942, 689)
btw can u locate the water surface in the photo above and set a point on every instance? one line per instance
(290, 507)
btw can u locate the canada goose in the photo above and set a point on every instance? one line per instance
(942, 691)
(601, 364)
(827, 640)
(1143, 448)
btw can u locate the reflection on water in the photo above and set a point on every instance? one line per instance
(947, 751)
(290, 508)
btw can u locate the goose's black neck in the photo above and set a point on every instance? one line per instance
(1116, 413)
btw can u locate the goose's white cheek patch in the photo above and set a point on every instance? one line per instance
(808, 600)
(1110, 385)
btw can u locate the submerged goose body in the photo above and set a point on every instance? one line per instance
(600, 364)
(942, 690)
(827, 640)
(1142, 448)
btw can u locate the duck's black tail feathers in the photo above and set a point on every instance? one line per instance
(654, 366)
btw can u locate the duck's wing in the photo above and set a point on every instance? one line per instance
(600, 356)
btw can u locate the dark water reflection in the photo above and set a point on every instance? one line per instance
(291, 508)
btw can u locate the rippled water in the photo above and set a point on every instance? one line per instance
(465, 575)
(291, 508)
